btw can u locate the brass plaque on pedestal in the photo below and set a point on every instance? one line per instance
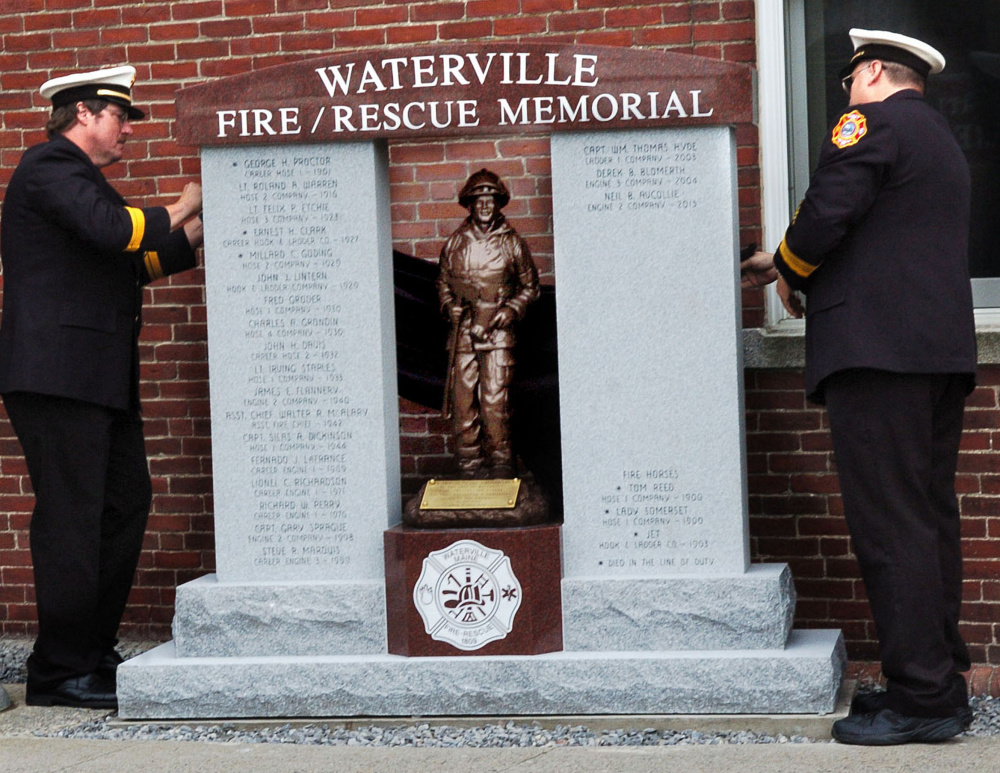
(498, 494)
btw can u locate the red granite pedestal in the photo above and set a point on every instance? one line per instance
(480, 578)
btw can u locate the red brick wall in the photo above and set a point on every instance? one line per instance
(794, 501)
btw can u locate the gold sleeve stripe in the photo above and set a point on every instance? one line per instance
(138, 228)
(794, 262)
(153, 267)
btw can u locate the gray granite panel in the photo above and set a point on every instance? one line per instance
(302, 618)
(650, 375)
(305, 436)
(801, 679)
(738, 611)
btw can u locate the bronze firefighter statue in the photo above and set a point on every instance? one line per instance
(486, 281)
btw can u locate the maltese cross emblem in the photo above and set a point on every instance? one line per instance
(467, 595)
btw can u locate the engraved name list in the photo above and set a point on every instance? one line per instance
(297, 407)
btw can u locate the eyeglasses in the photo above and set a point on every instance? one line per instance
(122, 117)
(847, 82)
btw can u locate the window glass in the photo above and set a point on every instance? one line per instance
(967, 93)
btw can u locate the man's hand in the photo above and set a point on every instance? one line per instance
(790, 299)
(195, 231)
(758, 270)
(186, 207)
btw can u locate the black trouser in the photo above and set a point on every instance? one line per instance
(92, 489)
(895, 439)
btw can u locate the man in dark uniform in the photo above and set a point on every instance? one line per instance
(75, 260)
(879, 245)
(487, 279)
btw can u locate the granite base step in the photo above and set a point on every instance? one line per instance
(801, 678)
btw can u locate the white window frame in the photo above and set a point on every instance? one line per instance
(773, 133)
(779, 23)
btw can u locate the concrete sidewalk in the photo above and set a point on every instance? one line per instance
(39, 755)
(22, 752)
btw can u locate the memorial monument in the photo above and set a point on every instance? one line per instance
(318, 608)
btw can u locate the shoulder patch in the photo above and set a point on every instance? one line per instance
(851, 128)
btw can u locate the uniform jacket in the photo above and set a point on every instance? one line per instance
(483, 271)
(75, 259)
(880, 246)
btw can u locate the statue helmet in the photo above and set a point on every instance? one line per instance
(484, 183)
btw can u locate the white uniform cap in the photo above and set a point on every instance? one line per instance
(113, 84)
(892, 47)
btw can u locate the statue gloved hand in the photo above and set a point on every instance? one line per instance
(503, 318)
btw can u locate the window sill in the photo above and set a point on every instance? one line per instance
(783, 346)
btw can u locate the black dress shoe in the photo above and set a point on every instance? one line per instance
(869, 702)
(92, 691)
(886, 728)
(107, 666)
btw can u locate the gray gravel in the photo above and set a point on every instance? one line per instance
(14, 652)
(510, 735)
